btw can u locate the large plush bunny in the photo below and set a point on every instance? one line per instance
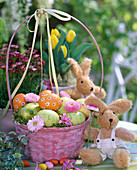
(108, 141)
(84, 86)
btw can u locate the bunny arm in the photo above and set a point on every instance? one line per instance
(97, 90)
(94, 133)
(124, 134)
(74, 94)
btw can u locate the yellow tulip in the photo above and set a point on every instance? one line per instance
(135, 139)
(54, 41)
(70, 36)
(64, 49)
(55, 32)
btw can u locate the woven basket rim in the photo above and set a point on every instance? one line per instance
(55, 128)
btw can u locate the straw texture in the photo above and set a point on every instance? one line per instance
(53, 143)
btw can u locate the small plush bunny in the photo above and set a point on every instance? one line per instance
(108, 141)
(84, 86)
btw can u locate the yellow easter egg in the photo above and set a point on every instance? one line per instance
(43, 166)
(85, 111)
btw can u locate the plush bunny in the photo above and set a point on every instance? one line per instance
(108, 141)
(84, 86)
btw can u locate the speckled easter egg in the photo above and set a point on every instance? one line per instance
(50, 101)
(76, 118)
(28, 111)
(45, 92)
(50, 117)
(19, 101)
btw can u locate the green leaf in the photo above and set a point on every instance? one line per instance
(24, 141)
(79, 50)
(73, 44)
(60, 57)
(12, 132)
(17, 155)
(64, 68)
(46, 58)
(20, 137)
(8, 138)
(68, 52)
(1, 139)
(11, 157)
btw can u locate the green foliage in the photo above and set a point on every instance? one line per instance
(3, 32)
(10, 151)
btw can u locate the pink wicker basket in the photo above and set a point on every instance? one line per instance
(53, 143)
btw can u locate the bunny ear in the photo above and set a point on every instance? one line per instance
(96, 102)
(75, 68)
(86, 66)
(120, 106)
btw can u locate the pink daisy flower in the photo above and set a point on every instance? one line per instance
(32, 98)
(64, 94)
(92, 107)
(35, 124)
(72, 106)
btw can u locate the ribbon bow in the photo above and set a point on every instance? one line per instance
(53, 12)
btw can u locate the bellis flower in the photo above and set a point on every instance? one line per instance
(72, 106)
(35, 124)
(32, 98)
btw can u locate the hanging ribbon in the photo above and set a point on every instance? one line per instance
(51, 58)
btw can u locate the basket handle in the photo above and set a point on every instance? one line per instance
(55, 13)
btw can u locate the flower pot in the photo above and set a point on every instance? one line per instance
(61, 88)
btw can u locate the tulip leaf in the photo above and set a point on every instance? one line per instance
(73, 44)
(64, 68)
(68, 52)
(79, 50)
(60, 57)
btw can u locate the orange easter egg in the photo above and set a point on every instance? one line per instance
(50, 101)
(25, 163)
(19, 101)
(54, 161)
(45, 92)
(63, 159)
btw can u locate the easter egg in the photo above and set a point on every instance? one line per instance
(50, 117)
(25, 163)
(49, 165)
(76, 118)
(19, 101)
(61, 110)
(43, 166)
(63, 159)
(83, 108)
(45, 92)
(82, 102)
(54, 161)
(50, 101)
(85, 111)
(28, 111)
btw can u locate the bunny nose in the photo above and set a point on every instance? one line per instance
(91, 89)
(110, 120)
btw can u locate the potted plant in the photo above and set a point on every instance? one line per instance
(63, 47)
(17, 65)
